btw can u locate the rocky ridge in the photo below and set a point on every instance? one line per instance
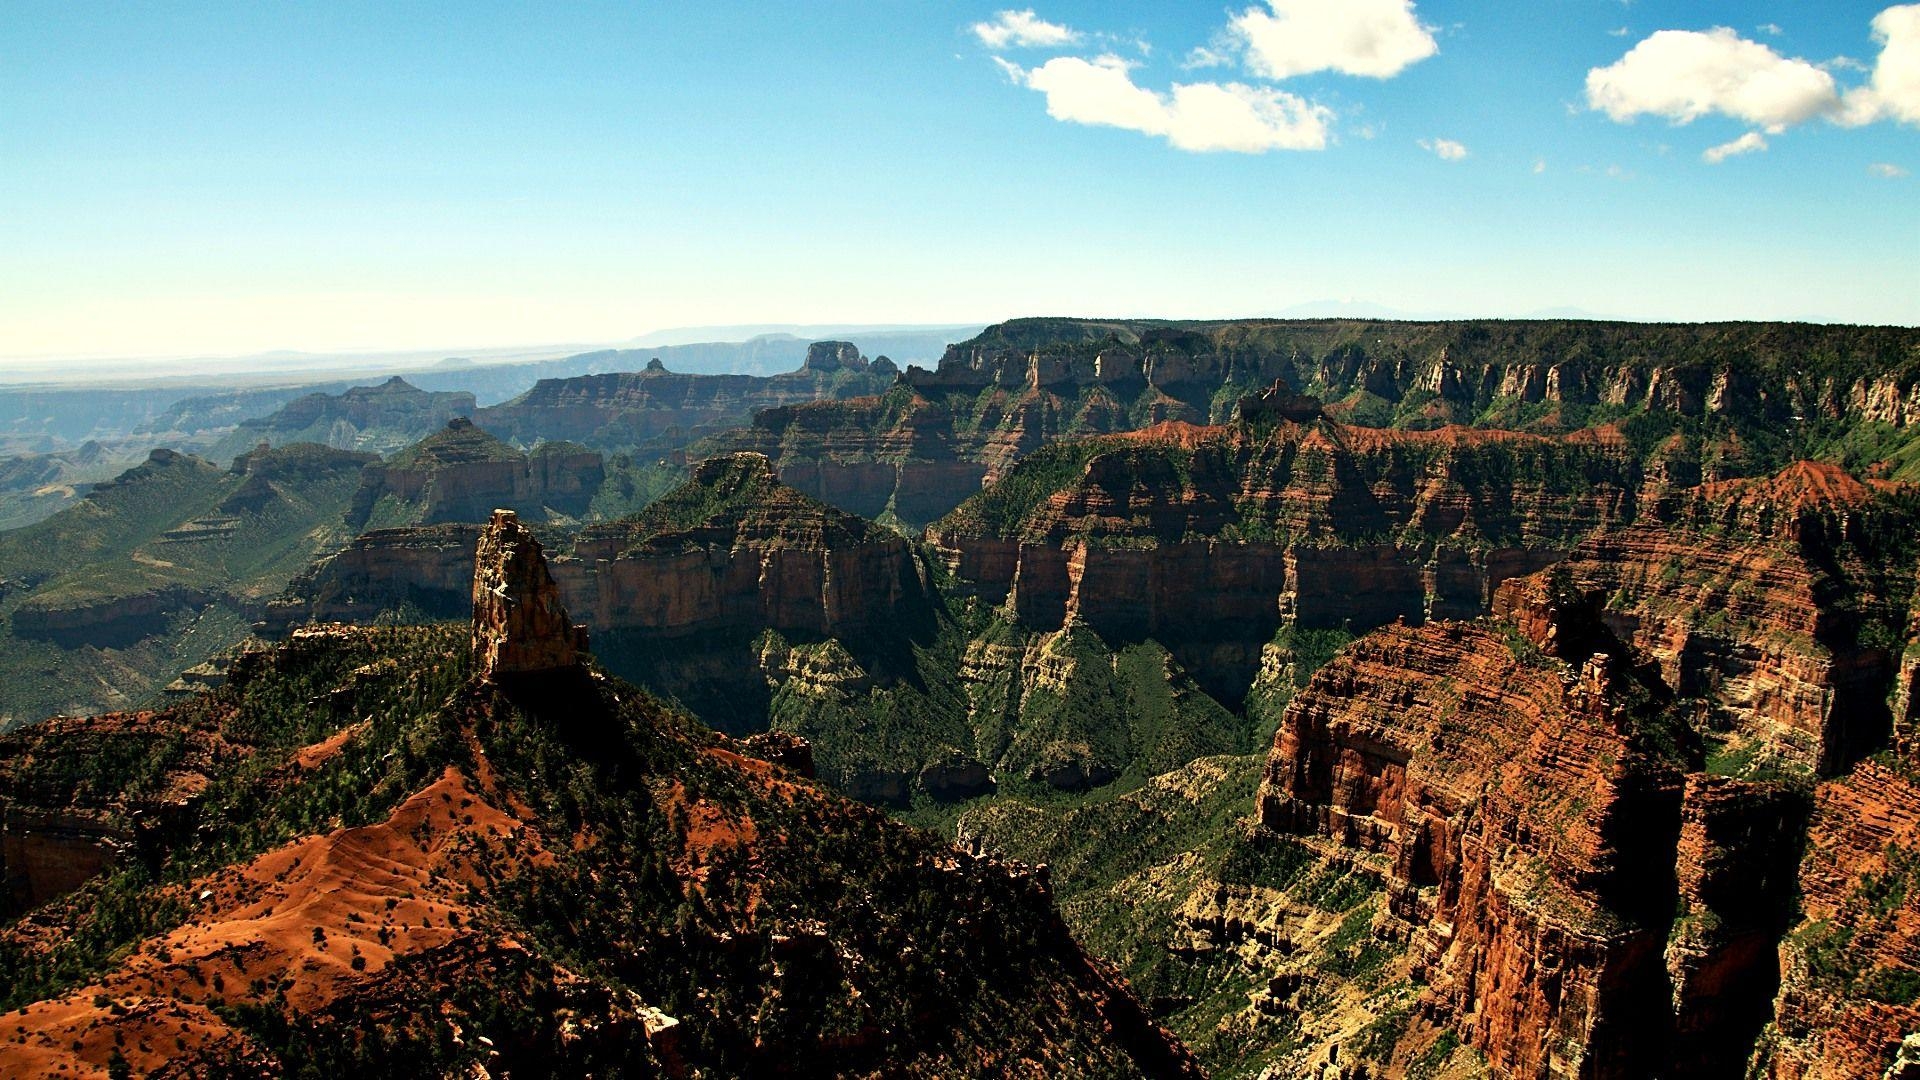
(1281, 525)
(1736, 390)
(520, 626)
(381, 419)
(491, 832)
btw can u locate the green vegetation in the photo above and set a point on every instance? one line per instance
(459, 443)
(395, 679)
(1297, 652)
(632, 485)
(1125, 865)
(1004, 507)
(149, 574)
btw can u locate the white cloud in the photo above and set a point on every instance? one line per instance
(1751, 142)
(1685, 74)
(1619, 31)
(1373, 38)
(1204, 57)
(1894, 93)
(1770, 29)
(1444, 149)
(1539, 166)
(1022, 29)
(1200, 117)
(1887, 172)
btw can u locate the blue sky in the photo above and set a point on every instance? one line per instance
(181, 179)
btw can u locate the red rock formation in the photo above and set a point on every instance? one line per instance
(426, 933)
(520, 626)
(1574, 907)
(737, 549)
(1772, 601)
(46, 854)
(1503, 801)
(57, 829)
(1735, 866)
(1020, 384)
(1851, 967)
(1279, 524)
(771, 560)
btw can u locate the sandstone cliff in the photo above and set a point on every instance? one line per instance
(520, 626)
(1850, 982)
(737, 549)
(1593, 819)
(732, 550)
(418, 572)
(1278, 524)
(1524, 825)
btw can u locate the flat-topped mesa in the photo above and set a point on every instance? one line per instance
(834, 356)
(519, 625)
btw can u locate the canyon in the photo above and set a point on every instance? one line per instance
(1514, 700)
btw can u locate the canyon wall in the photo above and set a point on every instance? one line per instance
(1018, 385)
(1601, 817)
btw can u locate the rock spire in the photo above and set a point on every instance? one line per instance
(519, 625)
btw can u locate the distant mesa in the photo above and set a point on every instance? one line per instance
(519, 625)
(825, 356)
(659, 411)
(462, 471)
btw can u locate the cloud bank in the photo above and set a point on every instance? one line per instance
(1285, 38)
(1894, 92)
(1684, 75)
(1375, 39)
(1199, 117)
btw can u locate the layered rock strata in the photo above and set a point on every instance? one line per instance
(1526, 837)
(1779, 603)
(1278, 524)
(1017, 385)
